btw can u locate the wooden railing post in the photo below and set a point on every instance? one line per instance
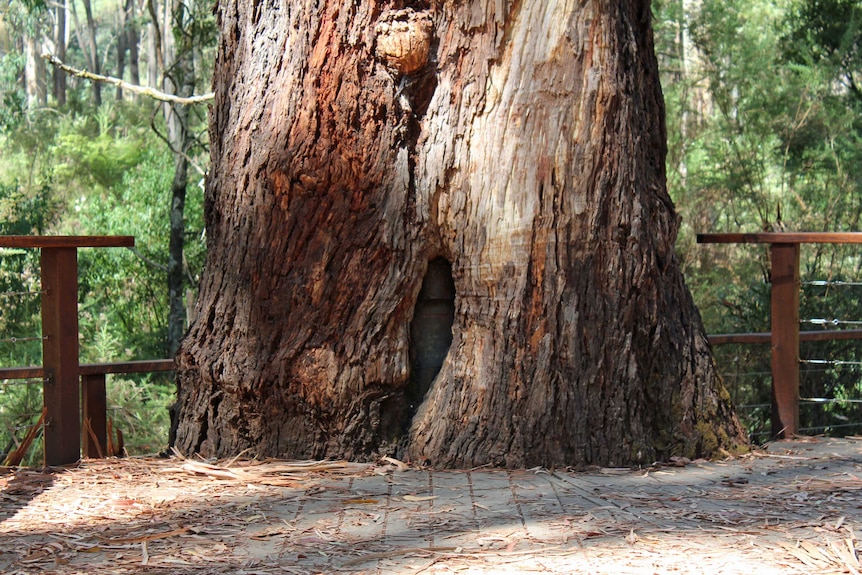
(785, 339)
(60, 369)
(785, 335)
(60, 354)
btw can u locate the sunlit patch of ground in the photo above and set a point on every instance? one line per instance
(792, 509)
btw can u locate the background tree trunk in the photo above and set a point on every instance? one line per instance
(35, 73)
(122, 47)
(155, 63)
(92, 51)
(520, 145)
(179, 78)
(60, 51)
(132, 41)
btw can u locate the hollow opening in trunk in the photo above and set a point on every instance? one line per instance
(431, 330)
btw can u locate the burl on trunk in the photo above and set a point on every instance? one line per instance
(441, 229)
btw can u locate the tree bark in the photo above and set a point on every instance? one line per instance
(179, 79)
(35, 73)
(60, 52)
(92, 51)
(522, 145)
(133, 41)
(122, 48)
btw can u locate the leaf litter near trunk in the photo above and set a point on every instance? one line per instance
(791, 509)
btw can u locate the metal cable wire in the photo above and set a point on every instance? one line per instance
(827, 427)
(829, 283)
(821, 400)
(829, 362)
(746, 374)
(834, 321)
(18, 427)
(19, 339)
(21, 293)
(11, 382)
(754, 406)
(24, 416)
(813, 371)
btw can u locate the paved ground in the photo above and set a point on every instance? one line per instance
(792, 509)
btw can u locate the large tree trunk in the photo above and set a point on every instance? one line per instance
(520, 145)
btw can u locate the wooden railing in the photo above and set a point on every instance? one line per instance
(784, 332)
(61, 371)
(66, 399)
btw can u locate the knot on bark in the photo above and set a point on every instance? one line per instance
(404, 39)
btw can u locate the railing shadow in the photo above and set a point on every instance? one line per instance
(18, 487)
(144, 515)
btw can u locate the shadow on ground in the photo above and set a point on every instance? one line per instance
(791, 509)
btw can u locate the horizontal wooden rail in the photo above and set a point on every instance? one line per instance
(94, 401)
(21, 372)
(782, 238)
(139, 366)
(766, 337)
(67, 242)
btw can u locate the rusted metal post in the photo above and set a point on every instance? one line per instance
(95, 408)
(785, 339)
(60, 354)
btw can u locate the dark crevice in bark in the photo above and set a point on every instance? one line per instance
(215, 401)
(419, 90)
(430, 331)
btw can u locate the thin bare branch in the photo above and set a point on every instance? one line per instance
(197, 167)
(155, 94)
(148, 261)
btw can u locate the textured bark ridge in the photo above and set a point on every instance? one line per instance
(527, 154)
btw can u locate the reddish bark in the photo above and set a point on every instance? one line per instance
(528, 153)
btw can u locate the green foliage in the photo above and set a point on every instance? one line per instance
(75, 155)
(827, 33)
(129, 288)
(21, 214)
(764, 134)
(79, 169)
(20, 407)
(13, 101)
(137, 405)
(140, 409)
(89, 151)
